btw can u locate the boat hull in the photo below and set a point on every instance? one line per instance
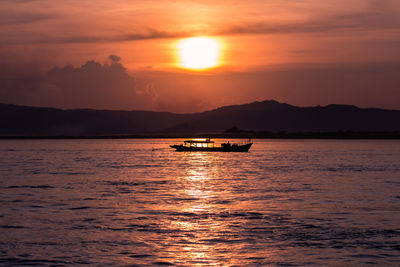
(233, 148)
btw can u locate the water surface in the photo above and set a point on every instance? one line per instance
(136, 202)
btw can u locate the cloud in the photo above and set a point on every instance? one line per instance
(95, 85)
(362, 21)
(92, 85)
(40, 39)
(12, 14)
(114, 59)
(356, 21)
(11, 17)
(70, 28)
(376, 14)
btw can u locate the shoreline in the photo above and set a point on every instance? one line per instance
(243, 135)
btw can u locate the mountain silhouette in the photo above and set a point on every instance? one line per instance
(265, 116)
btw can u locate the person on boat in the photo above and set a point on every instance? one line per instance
(226, 144)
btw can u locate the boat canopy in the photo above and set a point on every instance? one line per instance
(199, 141)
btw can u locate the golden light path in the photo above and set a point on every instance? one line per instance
(199, 53)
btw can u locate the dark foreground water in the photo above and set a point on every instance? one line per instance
(135, 202)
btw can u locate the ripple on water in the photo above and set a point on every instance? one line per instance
(118, 202)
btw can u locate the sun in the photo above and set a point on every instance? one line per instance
(199, 53)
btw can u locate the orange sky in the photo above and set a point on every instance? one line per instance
(332, 52)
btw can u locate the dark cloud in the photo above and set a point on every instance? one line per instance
(378, 14)
(95, 85)
(114, 59)
(154, 34)
(92, 85)
(356, 21)
(10, 17)
(40, 39)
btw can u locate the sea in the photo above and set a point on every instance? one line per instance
(137, 202)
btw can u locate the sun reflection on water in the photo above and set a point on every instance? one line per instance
(203, 228)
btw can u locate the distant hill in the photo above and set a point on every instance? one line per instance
(273, 116)
(265, 116)
(35, 121)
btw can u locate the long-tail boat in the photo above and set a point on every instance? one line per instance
(208, 145)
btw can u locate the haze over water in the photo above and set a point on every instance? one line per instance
(137, 202)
